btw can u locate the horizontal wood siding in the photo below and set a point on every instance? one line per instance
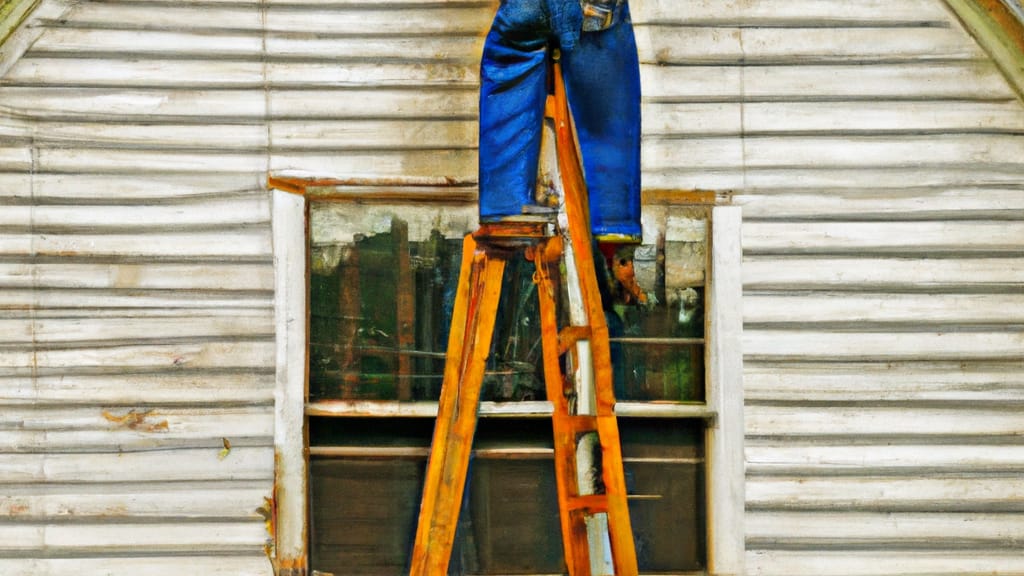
(878, 155)
(876, 151)
(136, 294)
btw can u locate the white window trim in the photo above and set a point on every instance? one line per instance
(724, 457)
(290, 455)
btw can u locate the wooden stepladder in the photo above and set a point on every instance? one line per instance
(476, 302)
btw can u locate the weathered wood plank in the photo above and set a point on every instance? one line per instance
(424, 75)
(76, 300)
(881, 272)
(459, 165)
(132, 161)
(927, 203)
(117, 134)
(906, 309)
(820, 82)
(693, 119)
(129, 72)
(888, 116)
(699, 153)
(863, 45)
(690, 83)
(958, 383)
(674, 45)
(878, 81)
(250, 242)
(324, 103)
(795, 459)
(884, 151)
(965, 174)
(441, 19)
(770, 421)
(948, 493)
(219, 565)
(54, 102)
(880, 561)
(783, 12)
(241, 354)
(15, 158)
(402, 134)
(884, 237)
(449, 45)
(226, 276)
(199, 500)
(45, 331)
(187, 464)
(170, 16)
(200, 387)
(103, 539)
(140, 186)
(202, 212)
(149, 42)
(831, 528)
(188, 422)
(810, 345)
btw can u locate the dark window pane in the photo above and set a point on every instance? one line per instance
(364, 509)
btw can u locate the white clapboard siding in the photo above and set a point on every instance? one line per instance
(877, 154)
(212, 565)
(188, 354)
(868, 204)
(675, 45)
(996, 530)
(861, 308)
(863, 272)
(78, 299)
(984, 560)
(194, 500)
(137, 301)
(118, 104)
(199, 213)
(836, 13)
(932, 492)
(147, 388)
(140, 188)
(876, 150)
(933, 382)
(152, 276)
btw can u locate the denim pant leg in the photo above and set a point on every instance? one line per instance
(602, 77)
(512, 96)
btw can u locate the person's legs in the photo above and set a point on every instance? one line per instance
(602, 79)
(512, 96)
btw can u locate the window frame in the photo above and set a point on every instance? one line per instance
(721, 413)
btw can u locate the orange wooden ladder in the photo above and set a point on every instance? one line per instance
(483, 262)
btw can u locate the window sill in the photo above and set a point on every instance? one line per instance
(534, 409)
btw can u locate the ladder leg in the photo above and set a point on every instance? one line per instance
(577, 214)
(476, 304)
(574, 529)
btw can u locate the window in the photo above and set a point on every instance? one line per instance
(380, 290)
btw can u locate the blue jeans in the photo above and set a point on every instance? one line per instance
(602, 81)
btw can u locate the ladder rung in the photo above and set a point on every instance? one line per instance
(570, 335)
(582, 423)
(589, 504)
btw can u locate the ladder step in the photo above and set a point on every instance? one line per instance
(570, 335)
(589, 504)
(577, 423)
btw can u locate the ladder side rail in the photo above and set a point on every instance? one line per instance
(469, 341)
(577, 213)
